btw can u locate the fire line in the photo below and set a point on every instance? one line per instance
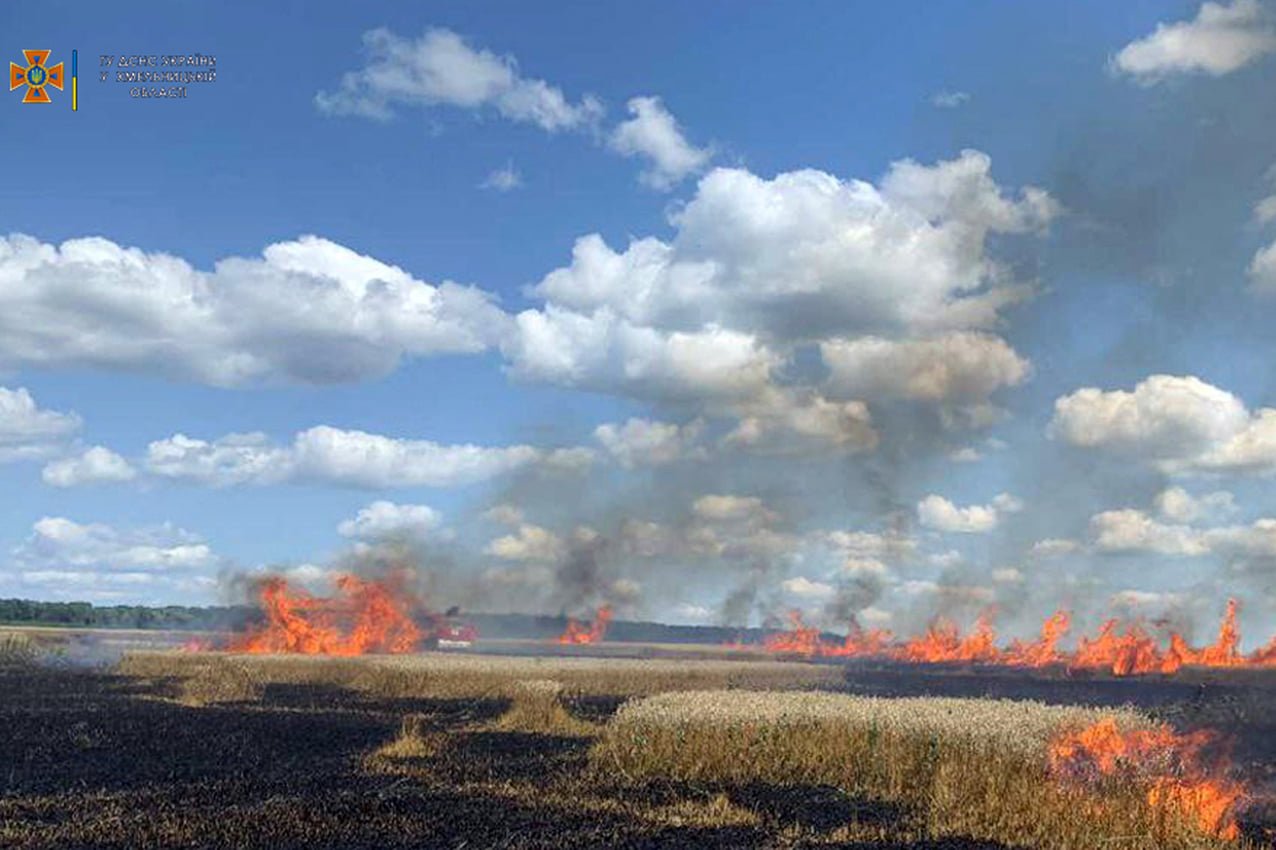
(1122, 649)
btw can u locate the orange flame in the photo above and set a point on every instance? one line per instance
(943, 642)
(1265, 656)
(1044, 650)
(1173, 766)
(1122, 649)
(801, 639)
(860, 642)
(807, 640)
(580, 633)
(364, 616)
(1224, 652)
(1134, 651)
(1126, 653)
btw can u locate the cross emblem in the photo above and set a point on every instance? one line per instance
(36, 76)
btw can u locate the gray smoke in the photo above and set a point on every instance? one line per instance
(580, 578)
(851, 596)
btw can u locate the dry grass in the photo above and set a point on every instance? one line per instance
(967, 767)
(717, 811)
(414, 741)
(537, 706)
(16, 648)
(221, 681)
(447, 675)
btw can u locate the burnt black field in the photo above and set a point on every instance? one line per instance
(91, 759)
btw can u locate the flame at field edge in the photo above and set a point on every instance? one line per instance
(362, 616)
(586, 633)
(1174, 768)
(1123, 650)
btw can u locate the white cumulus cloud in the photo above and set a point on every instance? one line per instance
(66, 559)
(1178, 505)
(690, 612)
(762, 271)
(232, 459)
(964, 367)
(441, 69)
(309, 311)
(805, 588)
(806, 251)
(383, 520)
(1222, 38)
(736, 527)
(653, 133)
(323, 455)
(864, 567)
(1262, 270)
(1257, 539)
(602, 351)
(57, 540)
(528, 543)
(26, 429)
(782, 420)
(334, 456)
(372, 460)
(942, 515)
(1179, 424)
(97, 464)
(870, 544)
(726, 508)
(504, 179)
(1130, 530)
(645, 442)
(1054, 547)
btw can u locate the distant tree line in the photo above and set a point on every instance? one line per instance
(217, 618)
(86, 614)
(546, 626)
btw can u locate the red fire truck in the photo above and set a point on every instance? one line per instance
(451, 632)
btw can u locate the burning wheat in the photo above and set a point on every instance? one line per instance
(365, 616)
(584, 633)
(998, 770)
(1124, 650)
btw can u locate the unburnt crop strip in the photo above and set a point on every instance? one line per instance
(982, 768)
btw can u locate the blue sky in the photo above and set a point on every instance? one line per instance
(882, 296)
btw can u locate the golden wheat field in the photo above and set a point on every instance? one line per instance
(443, 674)
(973, 767)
